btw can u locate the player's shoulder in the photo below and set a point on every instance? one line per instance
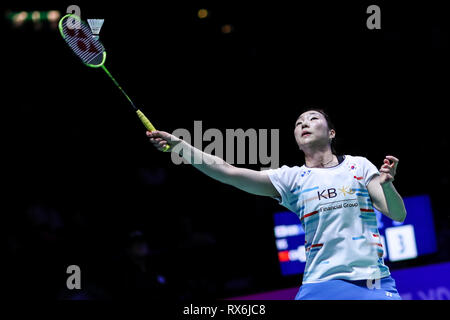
(292, 169)
(285, 169)
(357, 160)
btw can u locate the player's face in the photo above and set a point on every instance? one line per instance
(311, 129)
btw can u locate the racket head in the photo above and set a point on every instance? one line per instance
(79, 38)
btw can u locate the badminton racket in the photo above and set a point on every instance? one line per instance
(91, 51)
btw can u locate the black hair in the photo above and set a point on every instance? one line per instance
(329, 123)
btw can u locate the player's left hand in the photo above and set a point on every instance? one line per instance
(388, 169)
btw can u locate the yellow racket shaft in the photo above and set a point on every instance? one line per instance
(149, 125)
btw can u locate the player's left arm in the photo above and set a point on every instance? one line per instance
(385, 197)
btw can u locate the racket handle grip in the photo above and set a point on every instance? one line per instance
(149, 125)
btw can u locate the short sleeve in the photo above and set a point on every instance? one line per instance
(369, 170)
(283, 179)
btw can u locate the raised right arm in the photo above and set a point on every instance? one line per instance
(251, 181)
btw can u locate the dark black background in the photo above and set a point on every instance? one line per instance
(73, 146)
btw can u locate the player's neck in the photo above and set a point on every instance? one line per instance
(321, 159)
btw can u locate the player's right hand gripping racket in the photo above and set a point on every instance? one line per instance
(79, 37)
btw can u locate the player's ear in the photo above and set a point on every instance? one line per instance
(332, 134)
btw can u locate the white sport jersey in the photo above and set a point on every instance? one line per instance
(342, 240)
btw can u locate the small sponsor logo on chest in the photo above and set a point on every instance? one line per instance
(331, 193)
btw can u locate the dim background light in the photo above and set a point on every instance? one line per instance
(19, 18)
(202, 13)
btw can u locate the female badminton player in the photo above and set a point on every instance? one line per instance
(333, 196)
